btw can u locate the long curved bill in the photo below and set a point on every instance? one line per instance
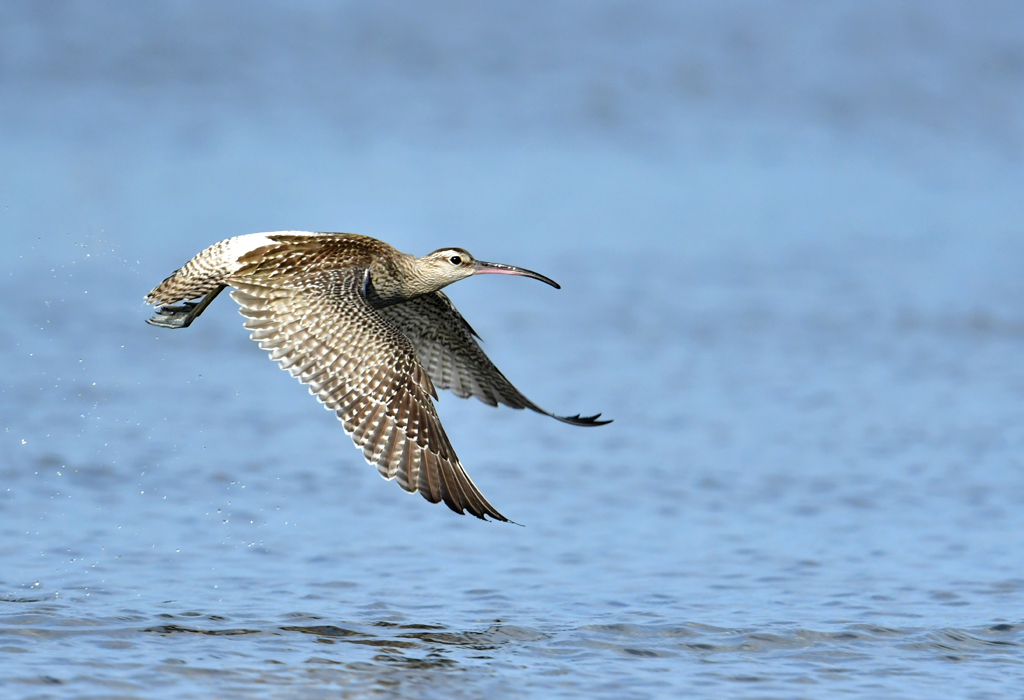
(485, 268)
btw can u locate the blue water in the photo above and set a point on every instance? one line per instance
(790, 240)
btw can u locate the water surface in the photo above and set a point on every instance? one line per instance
(806, 322)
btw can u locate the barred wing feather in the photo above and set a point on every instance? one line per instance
(448, 351)
(321, 329)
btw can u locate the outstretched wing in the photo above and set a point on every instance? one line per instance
(448, 351)
(320, 328)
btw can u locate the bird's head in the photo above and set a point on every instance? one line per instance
(447, 265)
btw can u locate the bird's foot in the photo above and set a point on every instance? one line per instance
(174, 316)
(182, 316)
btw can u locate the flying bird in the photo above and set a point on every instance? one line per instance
(368, 329)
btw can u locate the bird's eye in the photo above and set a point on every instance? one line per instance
(455, 260)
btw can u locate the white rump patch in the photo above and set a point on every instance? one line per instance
(240, 245)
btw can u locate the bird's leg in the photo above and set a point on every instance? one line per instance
(182, 316)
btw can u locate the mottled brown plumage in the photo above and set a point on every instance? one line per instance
(366, 327)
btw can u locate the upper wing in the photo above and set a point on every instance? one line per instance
(454, 360)
(320, 328)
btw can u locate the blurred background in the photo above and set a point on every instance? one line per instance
(790, 241)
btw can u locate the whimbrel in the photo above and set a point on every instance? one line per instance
(368, 329)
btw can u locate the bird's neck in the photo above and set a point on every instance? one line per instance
(399, 279)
